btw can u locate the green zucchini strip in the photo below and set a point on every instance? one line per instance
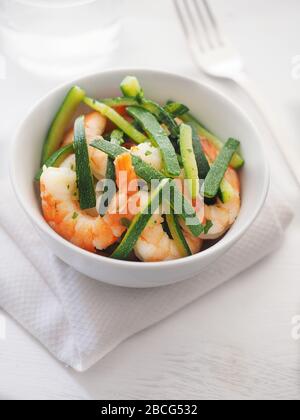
(159, 112)
(237, 161)
(131, 88)
(119, 102)
(109, 176)
(219, 168)
(177, 235)
(189, 160)
(140, 222)
(175, 109)
(85, 182)
(61, 121)
(158, 138)
(148, 173)
(162, 115)
(116, 137)
(202, 163)
(117, 119)
(56, 159)
(226, 192)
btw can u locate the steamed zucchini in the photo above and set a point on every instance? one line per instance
(189, 160)
(226, 192)
(117, 119)
(119, 102)
(116, 137)
(106, 198)
(219, 167)
(61, 121)
(163, 116)
(85, 182)
(237, 161)
(158, 138)
(202, 163)
(177, 235)
(56, 159)
(159, 112)
(131, 88)
(176, 109)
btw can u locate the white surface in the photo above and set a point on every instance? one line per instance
(235, 342)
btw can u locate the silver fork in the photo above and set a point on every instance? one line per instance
(215, 56)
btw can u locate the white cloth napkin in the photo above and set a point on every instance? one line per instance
(80, 320)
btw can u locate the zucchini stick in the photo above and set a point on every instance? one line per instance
(61, 121)
(56, 159)
(116, 137)
(160, 113)
(117, 119)
(87, 195)
(175, 109)
(119, 102)
(202, 163)
(110, 176)
(177, 235)
(158, 138)
(189, 160)
(219, 167)
(131, 88)
(237, 161)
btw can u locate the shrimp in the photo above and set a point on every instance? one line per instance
(126, 202)
(222, 215)
(62, 211)
(95, 125)
(155, 245)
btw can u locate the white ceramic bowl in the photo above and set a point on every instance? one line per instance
(217, 111)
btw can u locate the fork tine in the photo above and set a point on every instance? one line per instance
(203, 22)
(184, 16)
(181, 18)
(190, 27)
(213, 21)
(199, 33)
(210, 14)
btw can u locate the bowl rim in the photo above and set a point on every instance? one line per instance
(215, 249)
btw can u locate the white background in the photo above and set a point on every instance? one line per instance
(237, 341)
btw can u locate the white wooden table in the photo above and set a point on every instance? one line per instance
(237, 341)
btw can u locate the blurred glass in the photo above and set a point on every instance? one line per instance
(60, 38)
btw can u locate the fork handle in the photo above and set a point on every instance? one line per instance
(289, 152)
